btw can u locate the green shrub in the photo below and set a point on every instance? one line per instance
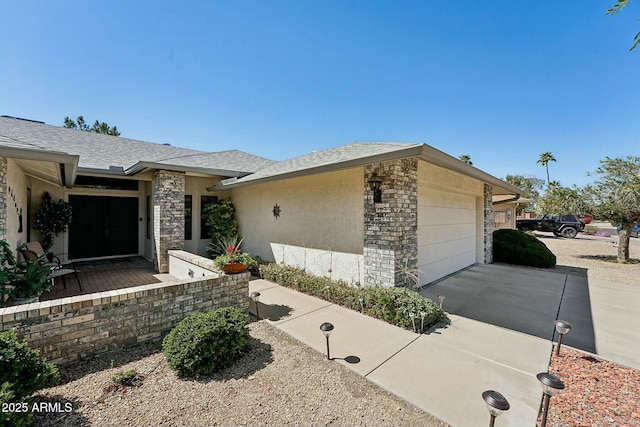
(22, 373)
(129, 378)
(22, 368)
(392, 305)
(516, 247)
(220, 218)
(207, 342)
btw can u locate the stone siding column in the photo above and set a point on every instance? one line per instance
(391, 227)
(3, 197)
(168, 216)
(488, 224)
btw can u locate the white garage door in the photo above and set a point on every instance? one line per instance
(446, 232)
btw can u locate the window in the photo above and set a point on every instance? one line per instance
(83, 181)
(205, 200)
(499, 217)
(188, 216)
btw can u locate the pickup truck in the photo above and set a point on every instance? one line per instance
(560, 225)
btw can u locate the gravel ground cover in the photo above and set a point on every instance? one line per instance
(597, 392)
(280, 382)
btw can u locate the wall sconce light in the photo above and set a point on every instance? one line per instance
(509, 213)
(374, 184)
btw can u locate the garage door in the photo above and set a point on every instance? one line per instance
(446, 232)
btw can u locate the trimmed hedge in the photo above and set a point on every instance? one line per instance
(204, 343)
(392, 305)
(517, 247)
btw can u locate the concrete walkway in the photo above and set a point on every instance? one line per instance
(443, 371)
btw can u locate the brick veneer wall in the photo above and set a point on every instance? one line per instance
(3, 197)
(168, 215)
(391, 227)
(488, 224)
(69, 329)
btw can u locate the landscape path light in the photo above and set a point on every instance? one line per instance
(326, 329)
(255, 297)
(551, 386)
(496, 404)
(441, 298)
(562, 327)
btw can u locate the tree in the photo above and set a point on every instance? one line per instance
(465, 158)
(621, 4)
(544, 160)
(560, 200)
(616, 197)
(98, 127)
(530, 186)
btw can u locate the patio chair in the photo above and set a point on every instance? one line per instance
(52, 260)
(55, 271)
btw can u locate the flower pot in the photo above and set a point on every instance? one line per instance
(21, 301)
(234, 267)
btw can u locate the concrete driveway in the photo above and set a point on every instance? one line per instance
(604, 315)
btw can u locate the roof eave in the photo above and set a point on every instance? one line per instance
(68, 162)
(143, 166)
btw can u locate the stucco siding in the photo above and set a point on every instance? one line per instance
(447, 221)
(323, 211)
(16, 199)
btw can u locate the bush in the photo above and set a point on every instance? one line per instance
(516, 247)
(392, 305)
(207, 342)
(22, 373)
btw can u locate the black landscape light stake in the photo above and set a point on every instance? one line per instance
(496, 404)
(255, 297)
(551, 386)
(326, 329)
(562, 327)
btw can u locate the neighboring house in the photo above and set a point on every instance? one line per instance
(504, 211)
(431, 216)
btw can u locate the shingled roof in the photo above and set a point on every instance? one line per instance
(100, 152)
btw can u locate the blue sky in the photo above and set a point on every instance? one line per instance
(501, 81)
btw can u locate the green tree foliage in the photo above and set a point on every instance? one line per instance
(617, 7)
(560, 200)
(465, 158)
(98, 127)
(616, 197)
(530, 185)
(544, 160)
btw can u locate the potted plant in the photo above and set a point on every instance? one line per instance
(232, 260)
(23, 281)
(52, 218)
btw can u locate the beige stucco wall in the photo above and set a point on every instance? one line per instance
(197, 187)
(323, 211)
(16, 204)
(448, 221)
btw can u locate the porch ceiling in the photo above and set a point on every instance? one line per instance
(46, 171)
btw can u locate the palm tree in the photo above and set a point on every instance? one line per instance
(544, 160)
(465, 158)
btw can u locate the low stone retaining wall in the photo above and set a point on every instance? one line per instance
(69, 329)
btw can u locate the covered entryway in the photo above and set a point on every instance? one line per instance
(103, 226)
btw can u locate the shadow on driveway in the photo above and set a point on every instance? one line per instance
(522, 299)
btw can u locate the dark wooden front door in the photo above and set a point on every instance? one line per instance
(103, 226)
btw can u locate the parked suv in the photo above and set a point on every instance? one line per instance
(560, 225)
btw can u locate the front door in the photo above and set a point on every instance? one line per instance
(103, 226)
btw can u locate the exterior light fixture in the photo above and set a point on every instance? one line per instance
(562, 327)
(412, 316)
(326, 329)
(496, 404)
(441, 299)
(422, 316)
(551, 386)
(374, 184)
(255, 297)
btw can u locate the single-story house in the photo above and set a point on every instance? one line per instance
(369, 213)
(504, 211)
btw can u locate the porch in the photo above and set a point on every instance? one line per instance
(107, 275)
